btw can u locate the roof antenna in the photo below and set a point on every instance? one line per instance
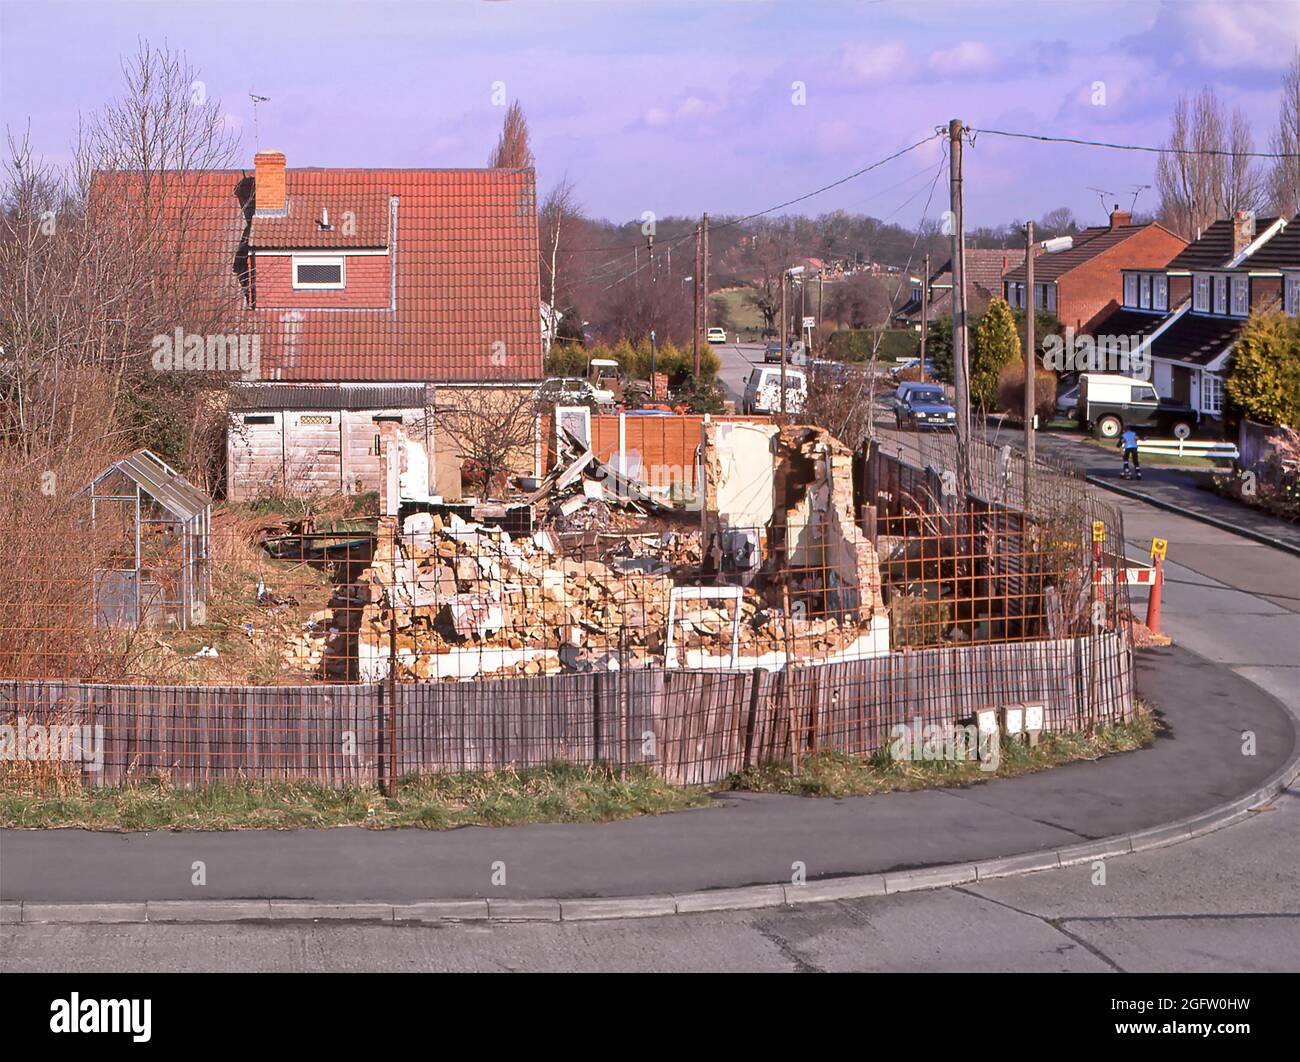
(257, 141)
(1102, 194)
(1138, 189)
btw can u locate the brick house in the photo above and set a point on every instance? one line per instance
(1190, 313)
(370, 295)
(1078, 278)
(985, 268)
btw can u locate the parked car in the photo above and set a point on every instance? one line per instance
(1109, 404)
(717, 335)
(923, 406)
(763, 391)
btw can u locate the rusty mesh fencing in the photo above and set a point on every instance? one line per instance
(376, 648)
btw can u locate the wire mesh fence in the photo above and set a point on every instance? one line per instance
(428, 642)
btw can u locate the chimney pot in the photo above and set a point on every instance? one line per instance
(1120, 217)
(268, 181)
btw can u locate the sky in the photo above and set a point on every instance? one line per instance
(685, 106)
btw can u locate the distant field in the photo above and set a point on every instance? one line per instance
(745, 317)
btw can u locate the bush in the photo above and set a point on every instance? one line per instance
(856, 344)
(1264, 382)
(996, 343)
(1011, 391)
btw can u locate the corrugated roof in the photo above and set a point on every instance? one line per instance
(247, 397)
(161, 482)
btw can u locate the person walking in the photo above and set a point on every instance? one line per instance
(1128, 442)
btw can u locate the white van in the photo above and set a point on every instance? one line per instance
(763, 390)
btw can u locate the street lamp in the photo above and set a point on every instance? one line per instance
(793, 271)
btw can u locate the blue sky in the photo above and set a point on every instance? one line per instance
(682, 106)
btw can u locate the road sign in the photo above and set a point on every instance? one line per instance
(1159, 546)
(1099, 530)
(810, 322)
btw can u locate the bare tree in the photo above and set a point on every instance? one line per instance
(557, 223)
(1208, 174)
(1284, 177)
(492, 427)
(512, 151)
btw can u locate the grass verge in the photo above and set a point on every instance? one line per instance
(560, 793)
(832, 774)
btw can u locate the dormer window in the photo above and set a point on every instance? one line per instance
(1160, 292)
(1291, 294)
(1240, 296)
(1145, 296)
(1201, 293)
(1130, 289)
(317, 273)
(1220, 294)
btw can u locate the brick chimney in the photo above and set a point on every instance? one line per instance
(268, 185)
(1120, 217)
(1243, 230)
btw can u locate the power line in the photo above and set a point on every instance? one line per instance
(1137, 147)
(779, 206)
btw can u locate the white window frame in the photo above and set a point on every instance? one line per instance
(1051, 296)
(312, 260)
(1160, 292)
(1144, 291)
(1201, 293)
(1291, 293)
(1239, 286)
(1130, 289)
(1211, 394)
(1221, 294)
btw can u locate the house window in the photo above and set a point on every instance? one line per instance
(1051, 296)
(1292, 294)
(1160, 293)
(1130, 289)
(317, 272)
(1145, 297)
(1220, 294)
(1211, 393)
(1201, 293)
(259, 418)
(1240, 297)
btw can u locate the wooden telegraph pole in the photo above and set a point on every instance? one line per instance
(695, 300)
(925, 311)
(785, 321)
(1030, 361)
(704, 272)
(960, 357)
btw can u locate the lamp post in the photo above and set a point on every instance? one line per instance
(793, 271)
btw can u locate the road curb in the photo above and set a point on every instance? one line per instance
(1191, 514)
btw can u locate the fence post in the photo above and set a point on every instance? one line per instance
(755, 679)
(597, 727)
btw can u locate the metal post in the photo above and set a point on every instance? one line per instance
(782, 327)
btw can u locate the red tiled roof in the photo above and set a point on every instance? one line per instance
(1087, 245)
(464, 269)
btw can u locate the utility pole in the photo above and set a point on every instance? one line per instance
(704, 272)
(925, 311)
(960, 356)
(1030, 361)
(784, 322)
(695, 300)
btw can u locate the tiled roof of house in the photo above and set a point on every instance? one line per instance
(1087, 245)
(1122, 322)
(984, 269)
(1196, 339)
(466, 302)
(1214, 248)
(1280, 252)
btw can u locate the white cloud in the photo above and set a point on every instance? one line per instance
(967, 57)
(875, 62)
